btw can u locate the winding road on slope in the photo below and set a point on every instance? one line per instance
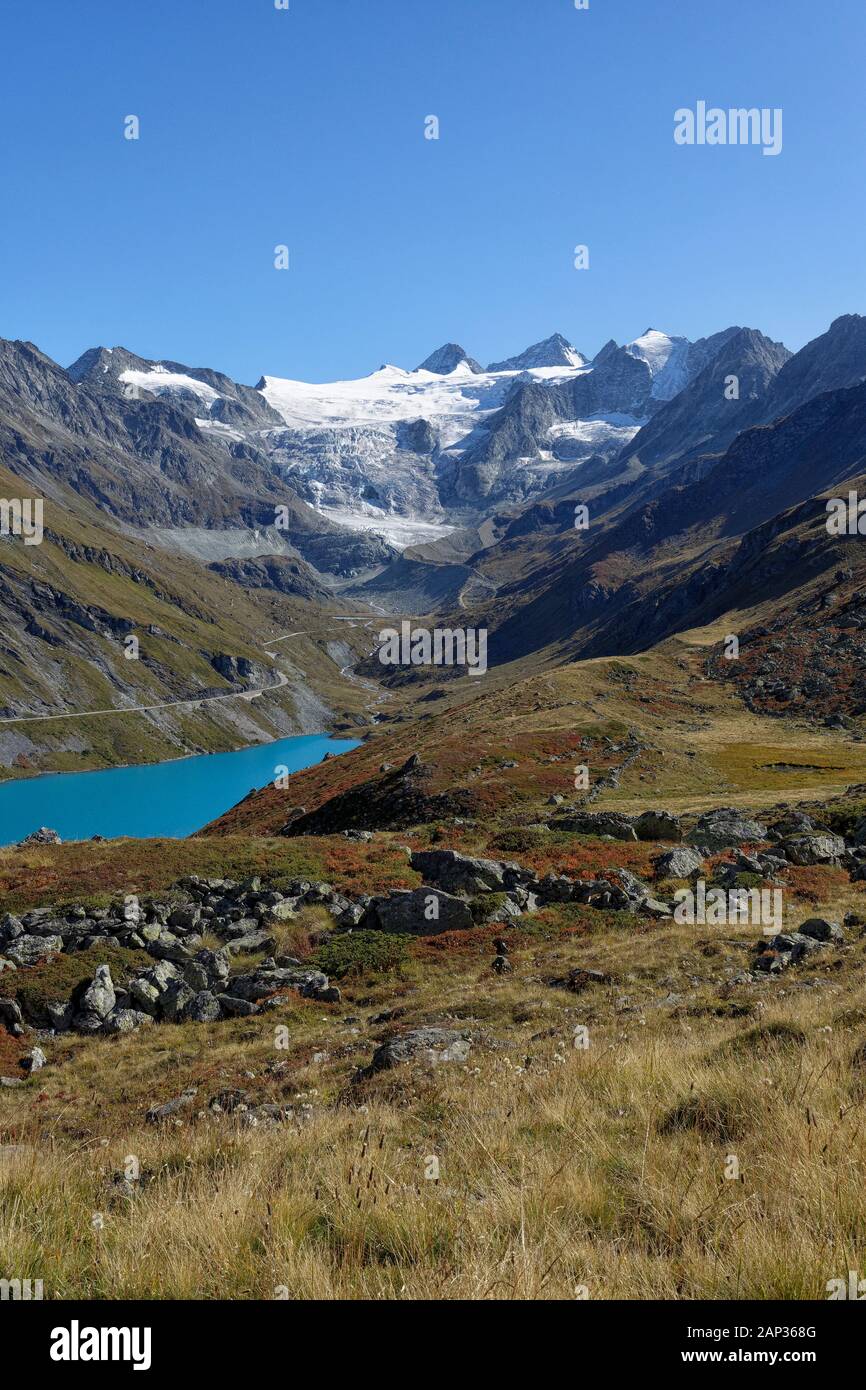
(195, 700)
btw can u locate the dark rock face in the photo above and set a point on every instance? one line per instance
(418, 437)
(391, 801)
(658, 825)
(596, 823)
(282, 574)
(702, 412)
(418, 912)
(446, 358)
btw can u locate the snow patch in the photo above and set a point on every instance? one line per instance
(161, 382)
(666, 359)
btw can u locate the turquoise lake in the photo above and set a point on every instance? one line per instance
(172, 799)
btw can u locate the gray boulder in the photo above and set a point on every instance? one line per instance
(59, 1015)
(11, 1016)
(29, 950)
(778, 952)
(418, 912)
(204, 1008)
(260, 983)
(457, 873)
(821, 930)
(10, 927)
(125, 1020)
(34, 1060)
(793, 823)
(816, 848)
(250, 943)
(658, 825)
(285, 910)
(234, 1005)
(99, 997)
(171, 1107)
(724, 828)
(42, 836)
(431, 1045)
(175, 1000)
(678, 863)
(599, 823)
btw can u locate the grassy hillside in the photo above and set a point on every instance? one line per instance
(69, 604)
(607, 1136)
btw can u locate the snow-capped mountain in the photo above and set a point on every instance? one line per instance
(411, 454)
(667, 360)
(446, 358)
(554, 351)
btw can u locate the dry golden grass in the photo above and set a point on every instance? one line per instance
(561, 1169)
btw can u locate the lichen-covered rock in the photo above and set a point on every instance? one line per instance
(431, 1045)
(724, 828)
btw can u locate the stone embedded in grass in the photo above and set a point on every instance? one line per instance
(580, 979)
(724, 828)
(251, 943)
(418, 912)
(678, 863)
(34, 1060)
(126, 1021)
(777, 953)
(11, 1016)
(231, 1004)
(821, 930)
(457, 873)
(258, 984)
(171, 1107)
(658, 825)
(432, 1045)
(203, 1008)
(819, 848)
(598, 823)
(28, 950)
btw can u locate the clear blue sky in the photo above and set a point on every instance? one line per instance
(305, 127)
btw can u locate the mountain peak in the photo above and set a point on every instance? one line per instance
(444, 360)
(555, 351)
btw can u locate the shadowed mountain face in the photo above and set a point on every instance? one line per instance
(676, 562)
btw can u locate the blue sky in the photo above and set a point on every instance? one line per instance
(306, 127)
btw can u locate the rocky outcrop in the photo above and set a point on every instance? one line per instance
(393, 800)
(723, 828)
(430, 1045)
